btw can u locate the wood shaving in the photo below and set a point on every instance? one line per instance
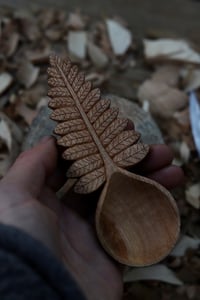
(5, 81)
(193, 195)
(77, 42)
(27, 74)
(164, 100)
(168, 74)
(98, 57)
(120, 37)
(75, 21)
(26, 113)
(191, 80)
(184, 152)
(170, 50)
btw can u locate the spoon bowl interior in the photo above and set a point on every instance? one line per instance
(137, 220)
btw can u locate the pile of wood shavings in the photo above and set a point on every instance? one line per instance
(158, 74)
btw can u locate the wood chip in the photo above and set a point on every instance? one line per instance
(184, 152)
(192, 80)
(43, 103)
(170, 50)
(158, 272)
(77, 44)
(120, 37)
(5, 134)
(30, 28)
(11, 135)
(193, 195)
(194, 108)
(168, 74)
(183, 119)
(27, 74)
(75, 21)
(26, 113)
(185, 243)
(5, 81)
(53, 34)
(12, 44)
(164, 100)
(38, 55)
(98, 57)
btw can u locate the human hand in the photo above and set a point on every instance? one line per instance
(29, 202)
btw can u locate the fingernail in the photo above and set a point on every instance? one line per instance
(45, 139)
(130, 125)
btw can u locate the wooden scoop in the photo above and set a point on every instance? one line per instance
(137, 219)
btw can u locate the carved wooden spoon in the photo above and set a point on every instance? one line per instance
(137, 220)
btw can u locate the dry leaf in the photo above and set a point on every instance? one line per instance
(98, 57)
(164, 100)
(158, 272)
(5, 81)
(185, 243)
(88, 126)
(77, 42)
(120, 37)
(170, 50)
(193, 195)
(27, 74)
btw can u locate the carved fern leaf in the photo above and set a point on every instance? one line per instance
(91, 131)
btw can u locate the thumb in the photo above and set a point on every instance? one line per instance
(33, 167)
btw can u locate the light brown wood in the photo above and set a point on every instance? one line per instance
(137, 220)
(91, 131)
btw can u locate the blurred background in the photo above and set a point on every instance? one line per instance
(145, 51)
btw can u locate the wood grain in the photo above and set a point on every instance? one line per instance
(90, 129)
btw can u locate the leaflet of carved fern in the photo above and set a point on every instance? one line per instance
(91, 131)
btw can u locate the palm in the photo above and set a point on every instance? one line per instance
(79, 247)
(30, 203)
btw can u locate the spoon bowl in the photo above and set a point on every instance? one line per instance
(137, 220)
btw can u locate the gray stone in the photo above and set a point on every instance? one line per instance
(144, 123)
